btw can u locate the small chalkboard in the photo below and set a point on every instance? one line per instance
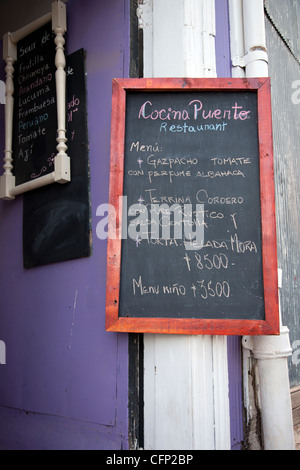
(56, 218)
(35, 110)
(193, 246)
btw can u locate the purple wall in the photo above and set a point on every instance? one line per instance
(64, 385)
(223, 58)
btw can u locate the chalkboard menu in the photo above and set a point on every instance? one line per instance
(196, 250)
(56, 218)
(35, 112)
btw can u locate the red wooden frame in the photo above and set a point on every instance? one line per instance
(270, 325)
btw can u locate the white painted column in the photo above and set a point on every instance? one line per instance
(237, 47)
(186, 398)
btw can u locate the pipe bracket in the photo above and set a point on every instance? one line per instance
(251, 56)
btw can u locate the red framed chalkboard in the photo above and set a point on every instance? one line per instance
(191, 223)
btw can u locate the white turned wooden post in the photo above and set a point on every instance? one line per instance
(59, 26)
(7, 181)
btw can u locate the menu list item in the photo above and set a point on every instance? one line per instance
(35, 113)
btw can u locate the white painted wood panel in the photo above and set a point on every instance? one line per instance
(186, 401)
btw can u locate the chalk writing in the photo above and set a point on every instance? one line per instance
(170, 162)
(209, 289)
(190, 164)
(140, 147)
(35, 115)
(194, 110)
(185, 128)
(206, 261)
(73, 107)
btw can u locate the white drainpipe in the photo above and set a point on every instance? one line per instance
(271, 352)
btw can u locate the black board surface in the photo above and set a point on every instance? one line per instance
(35, 113)
(171, 158)
(56, 218)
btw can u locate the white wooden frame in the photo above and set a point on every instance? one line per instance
(62, 172)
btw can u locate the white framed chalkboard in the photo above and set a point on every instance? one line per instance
(192, 233)
(35, 108)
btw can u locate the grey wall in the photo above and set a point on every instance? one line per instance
(283, 33)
